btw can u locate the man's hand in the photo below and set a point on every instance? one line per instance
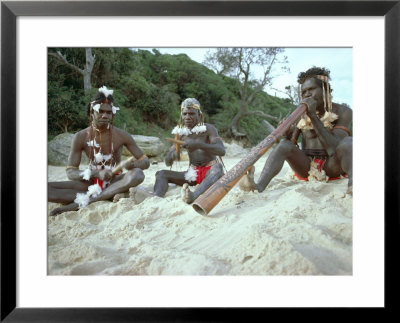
(129, 164)
(289, 133)
(105, 175)
(191, 144)
(171, 156)
(311, 106)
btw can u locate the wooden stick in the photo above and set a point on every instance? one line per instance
(178, 147)
(121, 165)
(175, 141)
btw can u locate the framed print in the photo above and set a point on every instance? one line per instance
(83, 298)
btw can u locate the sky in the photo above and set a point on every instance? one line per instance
(338, 60)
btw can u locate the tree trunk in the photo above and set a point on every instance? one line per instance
(269, 126)
(236, 120)
(87, 72)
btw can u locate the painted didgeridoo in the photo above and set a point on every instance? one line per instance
(210, 198)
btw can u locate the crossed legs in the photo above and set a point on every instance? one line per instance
(121, 183)
(164, 177)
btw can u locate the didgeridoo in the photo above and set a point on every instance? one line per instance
(210, 198)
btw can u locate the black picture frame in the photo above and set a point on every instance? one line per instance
(10, 10)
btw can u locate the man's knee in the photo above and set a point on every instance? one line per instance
(135, 175)
(160, 175)
(345, 147)
(217, 168)
(284, 147)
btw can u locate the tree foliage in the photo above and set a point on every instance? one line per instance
(251, 68)
(148, 88)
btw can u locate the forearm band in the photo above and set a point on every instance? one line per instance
(343, 128)
(141, 158)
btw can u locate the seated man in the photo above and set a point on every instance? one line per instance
(102, 143)
(326, 147)
(203, 145)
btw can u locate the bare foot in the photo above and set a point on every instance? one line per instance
(186, 194)
(247, 183)
(66, 208)
(139, 195)
(119, 196)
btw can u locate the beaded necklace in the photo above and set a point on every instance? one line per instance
(97, 160)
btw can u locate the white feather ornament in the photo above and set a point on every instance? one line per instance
(96, 108)
(94, 190)
(184, 131)
(199, 129)
(93, 143)
(82, 200)
(327, 119)
(181, 131)
(98, 157)
(86, 174)
(106, 91)
(107, 157)
(191, 175)
(114, 109)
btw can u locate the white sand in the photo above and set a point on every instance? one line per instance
(292, 228)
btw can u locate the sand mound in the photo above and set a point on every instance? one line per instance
(292, 228)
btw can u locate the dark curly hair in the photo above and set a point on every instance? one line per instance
(99, 98)
(311, 72)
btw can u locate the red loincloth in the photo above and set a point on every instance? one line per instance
(319, 163)
(101, 182)
(201, 172)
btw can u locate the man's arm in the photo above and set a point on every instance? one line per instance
(330, 139)
(142, 161)
(171, 156)
(215, 147)
(74, 158)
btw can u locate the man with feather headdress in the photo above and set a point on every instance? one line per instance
(102, 143)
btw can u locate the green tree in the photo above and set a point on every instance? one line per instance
(240, 64)
(67, 112)
(85, 71)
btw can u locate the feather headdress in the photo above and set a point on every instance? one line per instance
(106, 91)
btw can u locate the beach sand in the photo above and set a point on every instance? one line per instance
(292, 228)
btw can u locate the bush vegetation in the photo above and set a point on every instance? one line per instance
(148, 87)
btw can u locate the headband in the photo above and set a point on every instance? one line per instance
(190, 103)
(325, 92)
